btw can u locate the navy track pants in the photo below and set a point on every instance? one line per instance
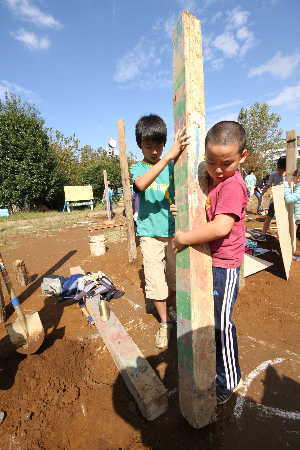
(226, 286)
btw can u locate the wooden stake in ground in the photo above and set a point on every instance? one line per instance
(291, 165)
(126, 191)
(2, 305)
(108, 210)
(194, 296)
(21, 272)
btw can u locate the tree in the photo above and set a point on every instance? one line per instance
(66, 150)
(28, 170)
(263, 136)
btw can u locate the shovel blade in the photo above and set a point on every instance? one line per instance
(36, 334)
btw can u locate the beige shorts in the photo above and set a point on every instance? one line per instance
(159, 267)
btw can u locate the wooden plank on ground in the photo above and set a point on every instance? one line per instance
(194, 296)
(252, 265)
(282, 219)
(291, 165)
(126, 192)
(141, 380)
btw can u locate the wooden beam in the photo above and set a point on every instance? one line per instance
(252, 264)
(148, 391)
(282, 220)
(126, 192)
(291, 165)
(194, 296)
(108, 211)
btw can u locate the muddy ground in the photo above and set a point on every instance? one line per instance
(70, 396)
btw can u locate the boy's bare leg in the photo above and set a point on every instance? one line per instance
(161, 308)
(266, 224)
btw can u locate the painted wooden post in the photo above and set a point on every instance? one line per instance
(2, 305)
(126, 192)
(291, 165)
(194, 296)
(108, 211)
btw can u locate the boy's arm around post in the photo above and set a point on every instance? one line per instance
(180, 143)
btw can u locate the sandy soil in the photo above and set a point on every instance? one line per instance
(70, 396)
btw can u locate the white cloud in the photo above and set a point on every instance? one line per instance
(32, 40)
(237, 18)
(227, 44)
(225, 105)
(235, 40)
(26, 10)
(289, 97)
(189, 5)
(7, 86)
(280, 66)
(133, 63)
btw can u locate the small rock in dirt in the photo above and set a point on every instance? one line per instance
(2, 416)
(28, 415)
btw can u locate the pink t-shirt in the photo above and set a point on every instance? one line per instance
(228, 197)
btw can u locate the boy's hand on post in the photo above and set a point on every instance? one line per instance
(177, 245)
(173, 209)
(180, 143)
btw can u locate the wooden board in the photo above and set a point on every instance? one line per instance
(132, 254)
(141, 380)
(78, 193)
(252, 265)
(283, 225)
(148, 391)
(194, 296)
(291, 165)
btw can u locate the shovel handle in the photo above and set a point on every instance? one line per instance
(6, 278)
(21, 316)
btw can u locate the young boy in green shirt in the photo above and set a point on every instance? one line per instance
(153, 179)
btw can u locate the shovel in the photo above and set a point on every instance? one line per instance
(26, 332)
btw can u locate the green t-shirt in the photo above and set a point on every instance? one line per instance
(154, 216)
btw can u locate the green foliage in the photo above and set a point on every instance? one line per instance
(28, 175)
(263, 136)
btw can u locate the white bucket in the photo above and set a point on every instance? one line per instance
(97, 245)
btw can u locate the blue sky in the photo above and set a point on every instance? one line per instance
(88, 63)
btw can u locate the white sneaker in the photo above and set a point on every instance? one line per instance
(163, 335)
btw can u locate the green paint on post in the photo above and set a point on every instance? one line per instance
(182, 259)
(180, 80)
(183, 301)
(179, 109)
(181, 173)
(185, 356)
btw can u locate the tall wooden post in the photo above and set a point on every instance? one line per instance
(126, 191)
(194, 296)
(2, 305)
(291, 165)
(108, 211)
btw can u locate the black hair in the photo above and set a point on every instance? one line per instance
(151, 127)
(281, 163)
(225, 133)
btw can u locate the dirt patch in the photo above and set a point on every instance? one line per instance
(70, 396)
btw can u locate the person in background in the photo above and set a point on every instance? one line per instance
(250, 181)
(274, 179)
(294, 197)
(110, 199)
(258, 192)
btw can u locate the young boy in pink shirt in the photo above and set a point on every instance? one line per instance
(225, 231)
